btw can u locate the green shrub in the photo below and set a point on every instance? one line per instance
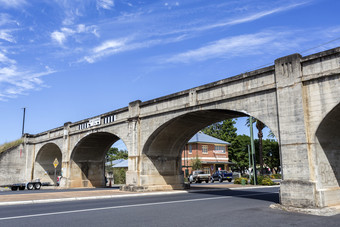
(277, 176)
(239, 180)
(267, 181)
(119, 176)
(262, 180)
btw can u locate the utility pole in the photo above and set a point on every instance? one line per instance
(23, 122)
(249, 162)
(253, 148)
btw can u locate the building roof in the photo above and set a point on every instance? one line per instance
(200, 137)
(123, 164)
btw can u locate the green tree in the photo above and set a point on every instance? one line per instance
(260, 126)
(119, 176)
(223, 130)
(240, 152)
(271, 154)
(196, 163)
(115, 154)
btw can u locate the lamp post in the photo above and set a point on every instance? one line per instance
(23, 122)
(252, 145)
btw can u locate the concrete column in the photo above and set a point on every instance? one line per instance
(298, 185)
(148, 171)
(65, 162)
(134, 149)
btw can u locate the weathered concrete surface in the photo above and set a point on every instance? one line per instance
(298, 98)
(13, 165)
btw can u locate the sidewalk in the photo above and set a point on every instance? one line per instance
(16, 198)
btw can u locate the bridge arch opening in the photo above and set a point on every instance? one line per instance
(87, 163)
(328, 135)
(44, 168)
(164, 148)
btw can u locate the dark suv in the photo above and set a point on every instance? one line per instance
(221, 175)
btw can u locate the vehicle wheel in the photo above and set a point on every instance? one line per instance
(229, 180)
(212, 180)
(220, 180)
(207, 181)
(14, 188)
(22, 188)
(30, 186)
(37, 186)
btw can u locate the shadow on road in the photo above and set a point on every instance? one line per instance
(265, 194)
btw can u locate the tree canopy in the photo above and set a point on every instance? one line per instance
(238, 150)
(115, 154)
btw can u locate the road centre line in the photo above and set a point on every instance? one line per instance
(134, 205)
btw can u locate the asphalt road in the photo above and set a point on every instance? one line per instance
(210, 208)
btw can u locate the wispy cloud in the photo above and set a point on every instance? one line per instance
(115, 46)
(105, 4)
(12, 3)
(251, 17)
(5, 35)
(14, 81)
(107, 48)
(229, 47)
(61, 36)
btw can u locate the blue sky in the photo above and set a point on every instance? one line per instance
(68, 60)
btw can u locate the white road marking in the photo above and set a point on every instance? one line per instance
(133, 205)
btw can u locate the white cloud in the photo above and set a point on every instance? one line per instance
(105, 49)
(111, 44)
(228, 47)
(5, 35)
(5, 60)
(240, 20)
(6, 19)
(105, 4)
(17, 82)
(62, 35)
(12, 3)
(255, 16)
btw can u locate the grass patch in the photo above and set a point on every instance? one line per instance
(9, 145)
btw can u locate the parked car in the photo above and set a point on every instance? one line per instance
(198, 176)
(221, 175)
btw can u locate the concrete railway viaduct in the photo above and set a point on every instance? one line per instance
(298, 98)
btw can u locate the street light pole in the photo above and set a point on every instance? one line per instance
(252, 145)
(249, 162)
(23, 122)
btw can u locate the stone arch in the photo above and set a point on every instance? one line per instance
(87, 163)
(328, 161)
(44, 168)
(162, 151)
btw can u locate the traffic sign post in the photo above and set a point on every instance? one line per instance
(55, 163)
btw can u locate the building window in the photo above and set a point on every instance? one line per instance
(204, 149)
(206, 170)
(190, 149)
(219, 149)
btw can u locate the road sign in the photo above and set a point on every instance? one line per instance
(55, 163)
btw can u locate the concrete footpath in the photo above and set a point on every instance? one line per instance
(48, 195)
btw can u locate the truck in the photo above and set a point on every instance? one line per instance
(198, 176)
(35, 184)
(221, 175)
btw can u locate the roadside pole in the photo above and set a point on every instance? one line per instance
(23, 122)
(55, 164)
(253, 148)
(249, 162)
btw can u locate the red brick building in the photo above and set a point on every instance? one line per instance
(212, 152)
